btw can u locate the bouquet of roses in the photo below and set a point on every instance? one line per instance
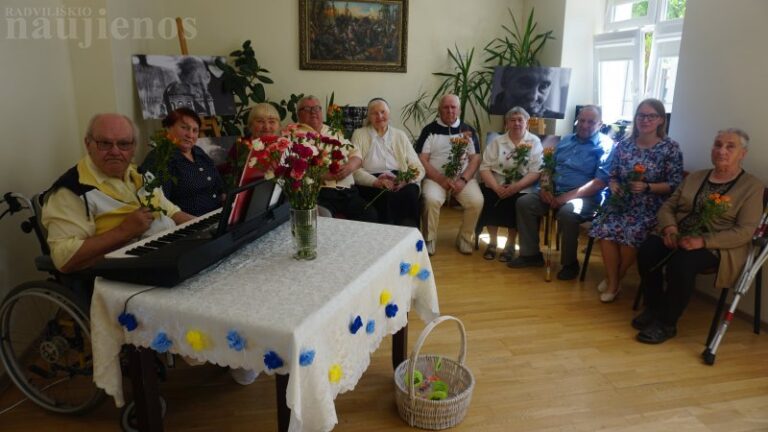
(548, 169)
(520, 159)
(713, 208)
(297, 162)
(620, 201)
(163, 144)
(458, 156)
(335, 119)
(402, 177)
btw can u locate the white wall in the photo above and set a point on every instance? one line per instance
(722, 83)
(39, 134)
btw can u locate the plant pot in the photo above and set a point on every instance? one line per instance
(304, 232)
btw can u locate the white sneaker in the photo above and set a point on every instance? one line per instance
(431, 247)
(243, 376)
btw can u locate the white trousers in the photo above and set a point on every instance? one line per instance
(471, 200)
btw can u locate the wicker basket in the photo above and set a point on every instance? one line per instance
(435, 414)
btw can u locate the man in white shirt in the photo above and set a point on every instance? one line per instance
(434, 144)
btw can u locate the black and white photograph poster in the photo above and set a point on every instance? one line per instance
(165, 83)
(542, 91)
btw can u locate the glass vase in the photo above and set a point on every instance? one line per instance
(304, 232)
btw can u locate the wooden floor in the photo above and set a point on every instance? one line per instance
(546, 357)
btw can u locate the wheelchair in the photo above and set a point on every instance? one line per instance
(45, 332)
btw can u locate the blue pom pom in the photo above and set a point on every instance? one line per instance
(235, 341)
(404, 268)
(272, 360)
(355, 325)
(161, 343)
(419, 245)
(370, 327)
(306, 357)
(128, 321)
(423, 275)
(391, 310)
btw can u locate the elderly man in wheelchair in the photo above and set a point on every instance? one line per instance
(91, 210)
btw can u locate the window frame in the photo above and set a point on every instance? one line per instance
(613, 46)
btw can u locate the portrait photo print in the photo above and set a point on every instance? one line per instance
(542, 91)
(165, 83)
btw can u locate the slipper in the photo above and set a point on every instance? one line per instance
(506, 255)
(490, 252)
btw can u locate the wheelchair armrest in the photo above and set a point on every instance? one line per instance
(45, 263)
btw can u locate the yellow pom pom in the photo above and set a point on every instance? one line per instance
(385, 297)
(335, 373)
(197, 340)
(414, 269)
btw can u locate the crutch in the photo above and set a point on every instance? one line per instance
(751, 268)
(550, 224)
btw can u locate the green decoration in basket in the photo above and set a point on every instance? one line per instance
(418, 378)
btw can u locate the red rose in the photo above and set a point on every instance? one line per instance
(268, 139)
(334, 168)
(337, 155)
(296, 185)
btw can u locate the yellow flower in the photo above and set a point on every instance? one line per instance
(385, 297)
(414, 270)
(335, 373)
(197, 340)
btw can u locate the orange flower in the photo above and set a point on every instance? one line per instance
(549, 151)
(639, 168)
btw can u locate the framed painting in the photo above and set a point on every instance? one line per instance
(364, 35)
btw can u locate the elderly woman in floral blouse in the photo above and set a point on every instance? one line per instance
(511, 166)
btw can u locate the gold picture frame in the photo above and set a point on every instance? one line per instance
(362, 35)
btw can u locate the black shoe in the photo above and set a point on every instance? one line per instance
(490, 252)
(656, 333)
(646, 318)
(568, 272)
(527, 261)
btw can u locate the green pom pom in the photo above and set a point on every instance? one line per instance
(440, 386)
(438, 395)
(418, 378)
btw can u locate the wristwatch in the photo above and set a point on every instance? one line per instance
(647, 187)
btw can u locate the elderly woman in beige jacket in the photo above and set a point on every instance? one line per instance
(386, 152)
(685, 250)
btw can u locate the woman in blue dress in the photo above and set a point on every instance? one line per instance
(646, 167)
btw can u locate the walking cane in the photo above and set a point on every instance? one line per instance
(550, 223)
(752, 266)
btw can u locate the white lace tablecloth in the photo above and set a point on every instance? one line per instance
(302, 313)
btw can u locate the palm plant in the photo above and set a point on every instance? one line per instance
(418, 112)
(517, 48)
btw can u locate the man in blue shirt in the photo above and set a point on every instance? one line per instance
(581, 173)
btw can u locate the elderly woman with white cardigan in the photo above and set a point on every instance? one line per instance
(387, 152)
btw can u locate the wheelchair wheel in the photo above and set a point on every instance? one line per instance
(45, 346)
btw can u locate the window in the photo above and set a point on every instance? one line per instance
(637, 55)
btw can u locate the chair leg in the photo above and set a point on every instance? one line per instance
(587, 253)
(758, 299)
(718, 315)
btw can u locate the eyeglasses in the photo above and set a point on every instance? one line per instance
(314, 109)
(104, 145)
(651, 116)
